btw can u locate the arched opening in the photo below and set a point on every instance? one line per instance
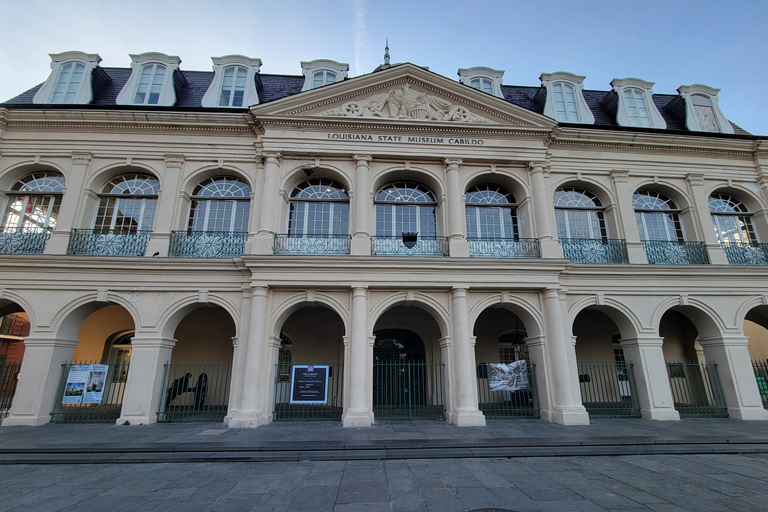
(756, 329)
(31, 212)
(406, 221)
(407, 365)
(310, 366)
(505, 374)
(14, 327)
(196, 380)
(695, 382)
(732, 220)
(606, 379)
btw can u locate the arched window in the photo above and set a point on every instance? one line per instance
(491, 212)
(323, 77)
(150, 84)
(405, 207)
(127, 204)
(732, 220)
(579, 214)
(318, 207)
(565, 103)
(68, 83)
(33, 202)
(658, 217)
(233, 87)
(120, 356)
(637, 110)
(482, 84)
(220, 204)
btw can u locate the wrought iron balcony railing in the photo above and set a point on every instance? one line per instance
(312, 244)
(746, 253)
(504, 248)
(424, 246)
(207, 244)
(588, 250)
(96, 242)
(23, 240)
(664, 252)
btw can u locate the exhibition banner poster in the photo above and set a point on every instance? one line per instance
(94, 388)
(309, 384)
(85, 384)
(508, 377)
(73, 392)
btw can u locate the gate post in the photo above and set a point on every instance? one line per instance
(466, 413)
(359, 413)
(651, 381)
(39, 379)
(143, 388)
(736, 375)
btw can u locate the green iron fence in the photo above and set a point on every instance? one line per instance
(588, 250)
(746, 253)
(664, 252)
(194, 392)
(108, 242)
(90, 393)
(207, 244)
(696, 390)
(608, 390)
(23, 240)
(523, 403)
(312, 244)
(761, 374)
(422, 246)
(504, 248)
(9, 376)
(406, 389)
(284, 410)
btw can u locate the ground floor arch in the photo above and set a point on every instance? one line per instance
(14, 327)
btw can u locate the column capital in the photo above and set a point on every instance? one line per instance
(453, 163)
(81, 158)
(538, 167)
(460, 290)
(44, 341)
(359, 290)
(259, 290)
(174, 161)
(619, 176)
(272, 157)
(152, 341)
(362, 159)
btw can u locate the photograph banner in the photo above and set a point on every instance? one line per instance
(508, 377)
(94, 388)
(75, 388)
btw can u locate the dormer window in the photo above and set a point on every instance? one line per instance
(564, 98)
(234, 82)
(702, 112)
(70, 79)
(483, 79)
(632, 99)
(152, 80)
(318, 73)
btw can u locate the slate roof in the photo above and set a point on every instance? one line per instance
(275, 87)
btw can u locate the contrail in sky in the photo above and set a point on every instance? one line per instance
(361, 37)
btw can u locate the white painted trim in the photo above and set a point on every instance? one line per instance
(251, 95)
(84, 93)
(308, 69)
(646, 88)
(691, 120)
(167, 92)
(466, 75)
(548, 81)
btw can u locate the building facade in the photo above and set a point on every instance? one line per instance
(399, 230)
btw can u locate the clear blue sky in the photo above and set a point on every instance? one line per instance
(671, 43)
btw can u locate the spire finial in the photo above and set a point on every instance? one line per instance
(386, 53)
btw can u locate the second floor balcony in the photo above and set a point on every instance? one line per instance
(665, 252)
(588, 250)
(108, 242)
(312, 244)
(746, 253)
(504, 248)
(23, 240)
(207, 244)
(409, 245)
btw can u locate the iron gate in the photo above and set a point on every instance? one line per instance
(696, 390)
(523, 403)
(408, 389)
(761, 374)
(195, 392)
(608, 390)
(284, 410)
(104, 386)
(9, 376)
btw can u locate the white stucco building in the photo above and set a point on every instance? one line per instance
(400, 228)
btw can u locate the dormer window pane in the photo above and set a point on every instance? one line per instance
(705, 114)
(565, 102)
(150, 84)
(320, 78)
(233, 87)
(482, 84)
(637, 110)
(69, 81)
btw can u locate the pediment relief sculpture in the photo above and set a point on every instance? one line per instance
(404, 103)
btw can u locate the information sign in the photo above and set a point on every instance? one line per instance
(309, 384)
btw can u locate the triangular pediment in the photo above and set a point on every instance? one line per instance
(404, 93)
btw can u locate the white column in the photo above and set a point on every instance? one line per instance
(239, 355)
(359, 413)
(542, 205)
(167, 209)
(703, 219)
(361, 206)
(263, 242)
(457, 238)
(566, 405)
(252, 408)
(651, 378)
(256, 202)
(625, 217)
(537, 349)
(466, 412)
(737, 376)
(144, 391)
(70, 205)
(39, 379)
